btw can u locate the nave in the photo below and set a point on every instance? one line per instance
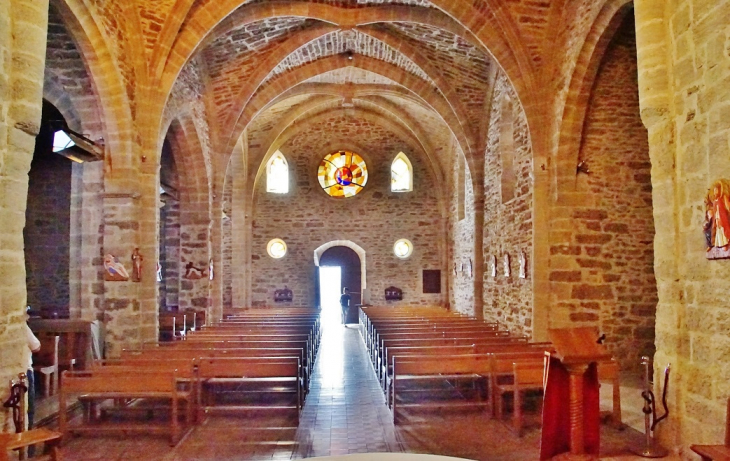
(345, 413)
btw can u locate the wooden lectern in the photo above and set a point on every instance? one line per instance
(571, 411)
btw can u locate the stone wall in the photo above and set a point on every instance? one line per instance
(307, 218)
(683, 82)
(170, 253)
(605, 266)
(461, 238)
(508, 221)
(47, 230)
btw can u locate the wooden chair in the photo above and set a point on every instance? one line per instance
(45, 362)
(527, 375)
(50, 439)
(719, 452)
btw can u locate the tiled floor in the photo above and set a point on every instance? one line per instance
(344, 413)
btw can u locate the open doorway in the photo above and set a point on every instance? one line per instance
(348, 263)
(330, 282)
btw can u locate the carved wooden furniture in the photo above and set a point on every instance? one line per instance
(572, 376)
(716, 452)
(74, 346)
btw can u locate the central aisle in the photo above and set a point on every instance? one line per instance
(345, 411)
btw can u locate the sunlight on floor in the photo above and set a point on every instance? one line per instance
(331, 353)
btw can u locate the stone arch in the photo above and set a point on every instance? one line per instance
(495, 32)
(576, 105)
(116, 116)
(319, 251)
(281, 84)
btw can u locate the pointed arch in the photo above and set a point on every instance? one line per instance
(401, 174)
(277, 174)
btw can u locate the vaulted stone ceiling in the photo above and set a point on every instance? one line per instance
(270, 65)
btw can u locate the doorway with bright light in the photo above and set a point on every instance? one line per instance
(330, 282)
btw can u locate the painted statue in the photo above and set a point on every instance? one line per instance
(716, 226)
(137, 265)
(114, 271)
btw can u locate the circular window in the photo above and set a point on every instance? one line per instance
(403, 248)
(276, 248)
(342, 174)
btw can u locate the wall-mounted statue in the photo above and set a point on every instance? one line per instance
(114, 270)
(716, 226)
(492, 265)
(523, 265)
(193, 273)
(137, 265)
(507, 268)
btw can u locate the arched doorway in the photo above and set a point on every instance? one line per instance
(350, 276)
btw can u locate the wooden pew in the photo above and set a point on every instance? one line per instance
(277, 374)
(120, 385)
(716, 452)
(437, 369)
(527, 375)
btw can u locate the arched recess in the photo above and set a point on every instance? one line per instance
(194, 211)
(576, 104)
(319, 251)
(400, 167)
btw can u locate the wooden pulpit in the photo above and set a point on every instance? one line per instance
(571, 411)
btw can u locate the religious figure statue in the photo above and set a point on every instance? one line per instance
(716, 226)
(493, 265)
(523, 265)
(137, 265)
(507, 270)
(193, 273)
(159, 272)
(114, 271)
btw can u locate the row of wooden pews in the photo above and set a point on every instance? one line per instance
(254, 359)
(429, 357)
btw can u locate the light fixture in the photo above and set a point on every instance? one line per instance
(349, 55)
(76, 147)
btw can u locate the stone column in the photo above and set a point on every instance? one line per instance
(23, 29)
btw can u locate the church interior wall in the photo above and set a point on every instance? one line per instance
(461, 237)
(508, 225)
(307, 217)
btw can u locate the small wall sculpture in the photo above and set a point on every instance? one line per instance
(507, 268)
(283, 295)
(393, 294)
(137, 259)
(194, 273)
(523, 265)
(492, 265)
(716, 226)
(114, 270)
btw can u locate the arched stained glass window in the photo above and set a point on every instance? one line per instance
(277, 174)
(401, 174)
(342, 174)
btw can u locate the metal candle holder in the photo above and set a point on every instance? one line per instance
(651, 448)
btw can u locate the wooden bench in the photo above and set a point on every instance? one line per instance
(716, 452)
(123, 385)
(435, 369)
(249, 374)
(50, 439)
(527, 375)
(74, 346)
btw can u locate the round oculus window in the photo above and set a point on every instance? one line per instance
(403, 248)
(276, 248)
(342, 174)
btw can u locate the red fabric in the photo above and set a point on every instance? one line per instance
(556, 411)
